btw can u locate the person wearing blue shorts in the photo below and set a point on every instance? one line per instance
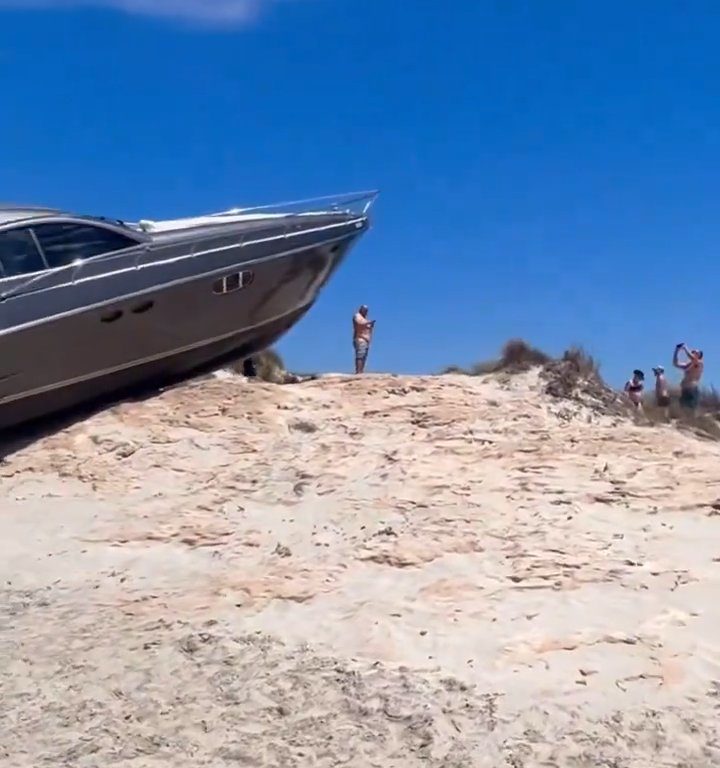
(362, 335)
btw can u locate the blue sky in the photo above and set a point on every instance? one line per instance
(548, 170)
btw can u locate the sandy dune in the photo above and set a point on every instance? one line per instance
(383, 571)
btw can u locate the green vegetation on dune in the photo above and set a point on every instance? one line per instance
(269, 366)
(573, 376)
(706, 420)
(517, 356)
(576, 376)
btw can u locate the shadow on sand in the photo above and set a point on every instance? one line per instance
(17, 438)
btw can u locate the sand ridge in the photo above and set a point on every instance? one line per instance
(383, 570)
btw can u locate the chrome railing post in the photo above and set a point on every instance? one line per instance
(77, 265)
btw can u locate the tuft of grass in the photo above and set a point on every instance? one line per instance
(582, 361)
(576, 376)
(516, 356)
(269, 366)
(705, 422)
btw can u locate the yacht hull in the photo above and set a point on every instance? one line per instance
(161, 334)
(144, 377)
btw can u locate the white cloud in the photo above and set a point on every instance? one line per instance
(229, 11)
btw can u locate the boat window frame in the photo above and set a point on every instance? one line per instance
(138, 239)
(19, 227)
(87, 225)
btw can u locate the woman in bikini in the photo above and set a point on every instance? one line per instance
(634, 388)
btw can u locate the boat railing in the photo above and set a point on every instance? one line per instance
(284, 217)
(353, 203)
(358, 203)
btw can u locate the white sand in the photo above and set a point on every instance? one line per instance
(383, 571)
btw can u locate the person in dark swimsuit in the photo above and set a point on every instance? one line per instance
(634, 388)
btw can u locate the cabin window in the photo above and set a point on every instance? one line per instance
(233, 282)
(64, 243)
(19, 253)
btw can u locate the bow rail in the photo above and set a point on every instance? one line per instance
(353, 202)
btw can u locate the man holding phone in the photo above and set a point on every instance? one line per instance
(693, 370)
(362, 335)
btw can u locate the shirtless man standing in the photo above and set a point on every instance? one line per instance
(362, 335)
(693, 367)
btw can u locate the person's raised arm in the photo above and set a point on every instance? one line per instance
(677, 362)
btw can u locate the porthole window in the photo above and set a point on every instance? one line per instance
(233, 282)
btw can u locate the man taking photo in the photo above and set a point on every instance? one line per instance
(693, 371)
(362, 335)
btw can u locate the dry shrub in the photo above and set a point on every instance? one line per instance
(710, 401)
(517, 356)
(705, 422)
(576, 376)
(269, 366)
(575, 368)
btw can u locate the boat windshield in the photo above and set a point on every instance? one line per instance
(32, 250)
